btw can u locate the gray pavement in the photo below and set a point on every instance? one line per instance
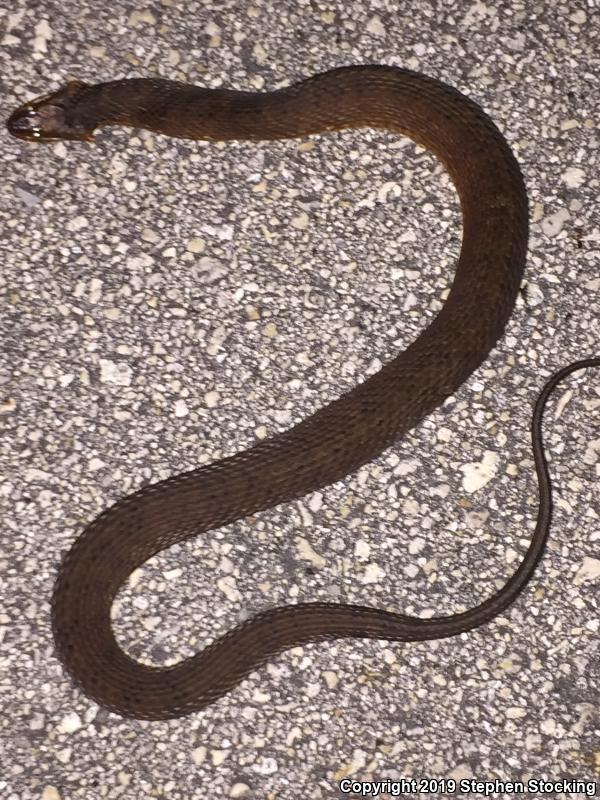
(166, 303)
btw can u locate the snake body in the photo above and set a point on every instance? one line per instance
(338, 438)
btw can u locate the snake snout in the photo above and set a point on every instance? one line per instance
(46, 118)
(26, 123)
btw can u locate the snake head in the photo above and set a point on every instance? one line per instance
(46, 119)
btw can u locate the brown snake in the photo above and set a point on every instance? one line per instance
(340, 437)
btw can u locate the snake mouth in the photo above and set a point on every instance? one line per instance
(47, 118)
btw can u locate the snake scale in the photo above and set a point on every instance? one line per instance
(337, 439)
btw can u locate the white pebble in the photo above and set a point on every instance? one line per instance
(70, 723)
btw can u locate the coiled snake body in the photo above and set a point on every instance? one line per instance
(340, 437)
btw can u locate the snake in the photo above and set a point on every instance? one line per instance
(337, 439)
